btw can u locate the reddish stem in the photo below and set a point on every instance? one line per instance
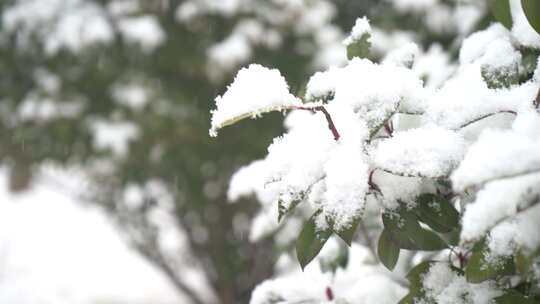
(329, 294)
(537, 101)
(331, 125)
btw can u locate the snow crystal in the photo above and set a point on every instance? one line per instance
(255, 90)
(429, 151)
(360, 28)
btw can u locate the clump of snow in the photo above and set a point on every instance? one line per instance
(520, 232)
(346, 185)
(465, 98)
(444, 286)
(429, 152)
(255, 90)
(364, 87)
(360, 28)
(498, 155)
(497, 201)
(476, 45)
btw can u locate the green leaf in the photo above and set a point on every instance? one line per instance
(407, 233)
(359, 47)
(514, 297)
(532, 11)
(347, 235)
(387, 250)
(310, 241)
(437, 212)
(501, 11)
(479, 269)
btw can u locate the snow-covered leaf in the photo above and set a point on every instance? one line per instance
(255, 90)
(359, 42)
(347, 234)
(424, 152)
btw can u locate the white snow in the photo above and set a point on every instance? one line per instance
(255, 90)
(489, 158)
(445, 286)
(429, 152)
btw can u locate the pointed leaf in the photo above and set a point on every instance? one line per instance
(501, 11)
(387, 250)
(310, 241)
(532, 11)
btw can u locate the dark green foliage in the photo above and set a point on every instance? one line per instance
(311, 240)
(501, 11)
(480, 268)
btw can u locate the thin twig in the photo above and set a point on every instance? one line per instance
(485, 116)
(322, 109)
(536, 103)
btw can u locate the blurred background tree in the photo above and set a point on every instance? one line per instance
(121, 90)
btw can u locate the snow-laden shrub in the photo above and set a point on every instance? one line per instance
(447, 177)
